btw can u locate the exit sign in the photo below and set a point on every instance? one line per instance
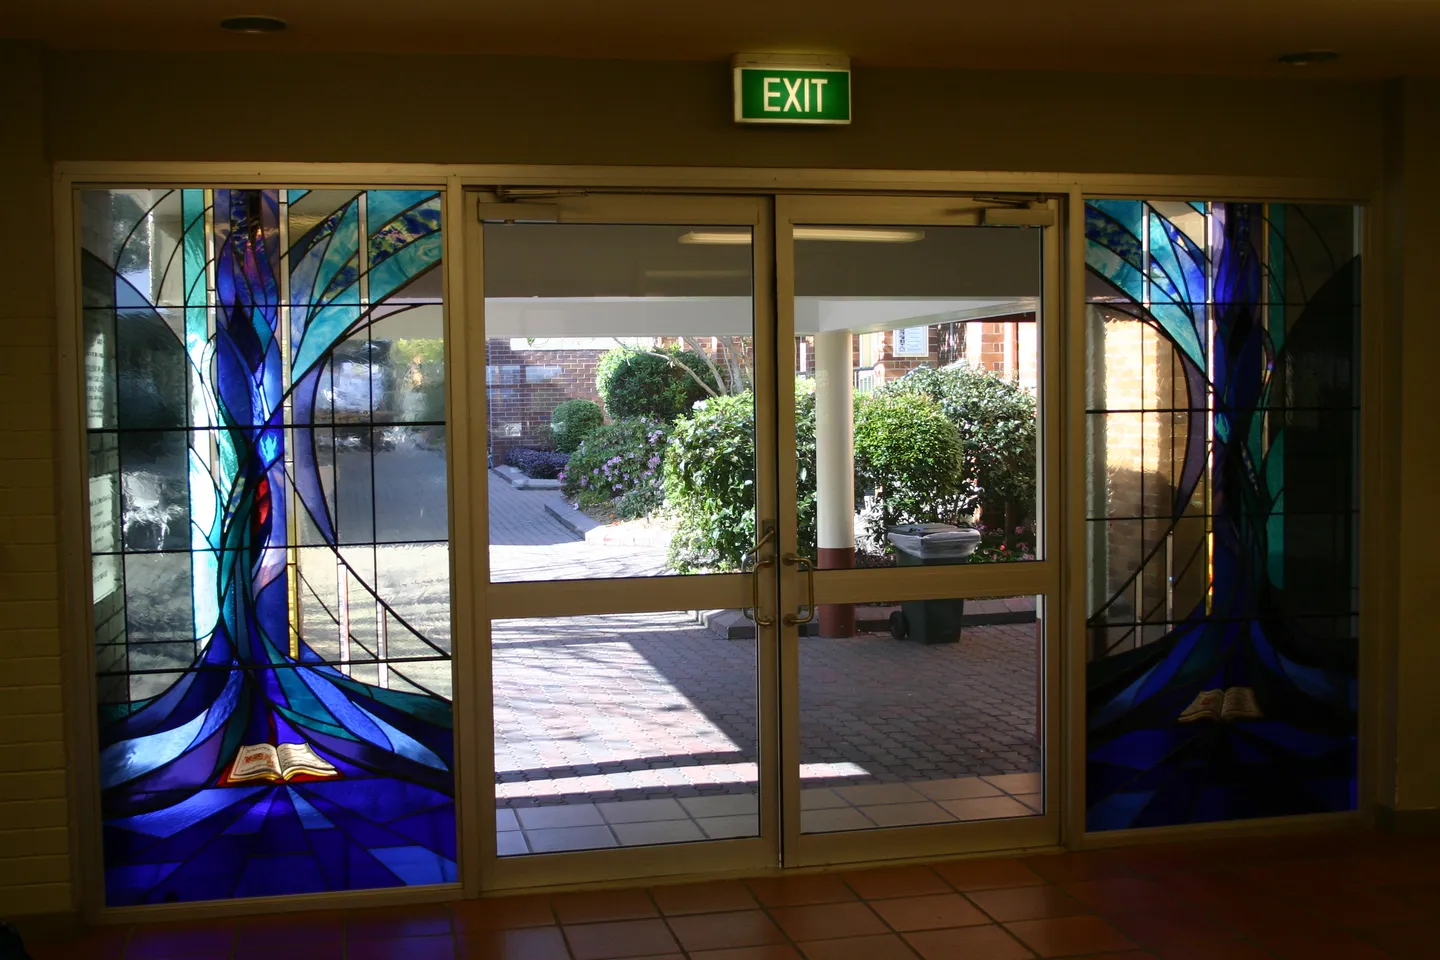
(791, 90)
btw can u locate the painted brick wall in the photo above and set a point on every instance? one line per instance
(34, 838)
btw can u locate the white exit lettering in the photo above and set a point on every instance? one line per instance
(796, 94)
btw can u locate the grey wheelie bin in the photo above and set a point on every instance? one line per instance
(926, 545)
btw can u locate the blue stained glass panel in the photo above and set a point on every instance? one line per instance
(1223, 636)
(256, 739)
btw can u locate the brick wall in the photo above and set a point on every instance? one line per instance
(525, 386)
(34, 838)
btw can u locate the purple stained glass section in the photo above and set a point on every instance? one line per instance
(272, 720)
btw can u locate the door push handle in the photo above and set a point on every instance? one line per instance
(808, 607)
(761, 563)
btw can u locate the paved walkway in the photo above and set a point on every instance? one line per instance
(526, 543)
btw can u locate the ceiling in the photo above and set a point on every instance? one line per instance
(1378, 38)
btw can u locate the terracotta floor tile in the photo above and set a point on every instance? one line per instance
(1074, 867)
(749, 953)
(1119, 894)
(613, 941)
(1362, 908)
(442, 947)
(287, 951)
(1407, 941)
(967, 875)
(929, 913)
(801, 890)
(530, 943)
(715, 931)
(191, 940)
(718, 897)
(1027, 903)
(895, 882)
(603, 905)
(1163, 926)
(1257, 916)
(1064, 936)
(1422, 896)
(268, 931)
(828, 920)
(503, 913)
(393, 924)
(1215, 950)
(106, 946)
(970, 943)
(1327, 946)
(883, 947)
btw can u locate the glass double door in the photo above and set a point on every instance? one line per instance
(768, 565)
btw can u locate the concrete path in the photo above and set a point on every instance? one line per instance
(528, 543)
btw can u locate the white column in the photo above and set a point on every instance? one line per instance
(834, 442)
(835, 470)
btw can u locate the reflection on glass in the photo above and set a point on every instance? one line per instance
(623, 730)
(928, 714)
(620, 361)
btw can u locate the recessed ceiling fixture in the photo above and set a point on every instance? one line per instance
(253, 24)
(1306, 58)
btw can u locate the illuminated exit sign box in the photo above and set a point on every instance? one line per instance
(792, 89)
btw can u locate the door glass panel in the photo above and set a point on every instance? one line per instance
(620, 359)
(623, 730)
(917, 375)
(928, 714)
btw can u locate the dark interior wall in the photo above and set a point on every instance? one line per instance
(174, 105)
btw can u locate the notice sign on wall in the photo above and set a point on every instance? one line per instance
(772, 88)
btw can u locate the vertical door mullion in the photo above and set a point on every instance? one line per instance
(470, 513)
(788, 636)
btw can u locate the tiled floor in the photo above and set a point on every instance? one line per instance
(630, 823)
(1319, 897)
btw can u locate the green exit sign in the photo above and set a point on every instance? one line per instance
(791, 90)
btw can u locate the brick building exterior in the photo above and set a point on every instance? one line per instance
(526, 380)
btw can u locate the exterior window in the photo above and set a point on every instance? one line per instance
(265, 380)
(1222, 406)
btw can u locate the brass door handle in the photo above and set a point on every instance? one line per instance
(794, 619)
(761, 563)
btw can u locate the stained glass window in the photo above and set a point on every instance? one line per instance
(1222, 408)
(265, 404)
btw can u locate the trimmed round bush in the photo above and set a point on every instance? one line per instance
(996, 421)
(661, 384)
(572, 420)
(710, 481)
(617, 467)
(909, 454)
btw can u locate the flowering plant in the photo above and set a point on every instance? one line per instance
(994, 547)
(618, 467)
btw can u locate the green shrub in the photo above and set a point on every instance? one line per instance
(572, 420)
(662, 384)
(909, 454)
(617, 466)
(996, 421)
(710, 481)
